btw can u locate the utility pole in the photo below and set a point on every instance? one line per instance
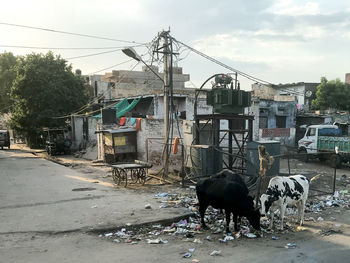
(166, 105)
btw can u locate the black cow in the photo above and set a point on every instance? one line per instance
(231, 196)
(233, 177)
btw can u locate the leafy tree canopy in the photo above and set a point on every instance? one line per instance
(332, 94)
(7, 75)
(45, 87)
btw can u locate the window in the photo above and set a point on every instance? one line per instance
(281, 121)
(311, 132)
(262, 122)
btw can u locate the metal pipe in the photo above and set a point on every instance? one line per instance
(335, 178)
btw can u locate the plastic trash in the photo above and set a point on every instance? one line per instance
(180, 230)
(161, 195)
(187, 255)
(209, 238)
(191, 250)
(336, 194)
(198, 241)
(301, 228)
(156, 241)
(195, 260)
(320, 218)
(215, 253)
(148, 206)
(250, 235)
(274, 238)
(290, 245)
(116, 240)
(108, 234)
(182, 223)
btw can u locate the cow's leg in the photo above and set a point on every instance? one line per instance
(202, 209)
(235, 220)
(282, 212)
(272, 214)
(302, 205)
(228, 218)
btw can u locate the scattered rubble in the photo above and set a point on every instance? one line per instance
(290, 245)
(189, 229)
(215, 253)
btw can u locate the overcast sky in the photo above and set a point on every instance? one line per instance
(280, 41)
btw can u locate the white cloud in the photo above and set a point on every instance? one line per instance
(287, 7)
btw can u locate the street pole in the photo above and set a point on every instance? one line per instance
(166, 106)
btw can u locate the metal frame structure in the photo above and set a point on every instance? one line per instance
(237, 125)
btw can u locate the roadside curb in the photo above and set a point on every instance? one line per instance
(164, 221)
(99, 230)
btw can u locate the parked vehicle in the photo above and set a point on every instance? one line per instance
(56, 141)
(4, 139)
(325, 142)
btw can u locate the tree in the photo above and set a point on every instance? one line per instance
(7, 75)
(45, 88)
(332, 94)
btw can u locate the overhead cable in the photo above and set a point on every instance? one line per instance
(70, 33)
(63, 48)
(224, 65)
(95, 54)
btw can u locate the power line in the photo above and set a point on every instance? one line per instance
(62, 48)
(70, 33)
(111, 66)
(95, 54)
(88, 104)
(224, 65)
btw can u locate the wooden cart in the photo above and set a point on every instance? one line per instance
(136, 172)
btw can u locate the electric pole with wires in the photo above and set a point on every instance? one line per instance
(167, 51)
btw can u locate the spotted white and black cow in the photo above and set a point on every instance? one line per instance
(283, 191)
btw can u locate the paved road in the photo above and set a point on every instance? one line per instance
(37, 195)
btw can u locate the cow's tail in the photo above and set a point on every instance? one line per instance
(315, 177)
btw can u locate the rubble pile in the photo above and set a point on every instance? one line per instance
(188, 200)
(189, 230)
(340, 199)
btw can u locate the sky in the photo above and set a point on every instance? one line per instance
(281, 41)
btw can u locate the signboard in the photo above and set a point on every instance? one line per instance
(119, 141)
(277, 132)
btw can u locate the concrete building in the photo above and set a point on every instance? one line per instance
(274, 115)
(126, 83)
(304, 93)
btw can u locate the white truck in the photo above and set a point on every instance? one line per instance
(325, 142)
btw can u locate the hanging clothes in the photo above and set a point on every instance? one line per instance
(122, 121)
(138, 124)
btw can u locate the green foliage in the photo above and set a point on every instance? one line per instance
(332, 94)
(7, 75)
(45, 87)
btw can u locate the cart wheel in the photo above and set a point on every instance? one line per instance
(119, 176)
(135, 175)
(123, 176)
(116, 176)
(142, 176)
